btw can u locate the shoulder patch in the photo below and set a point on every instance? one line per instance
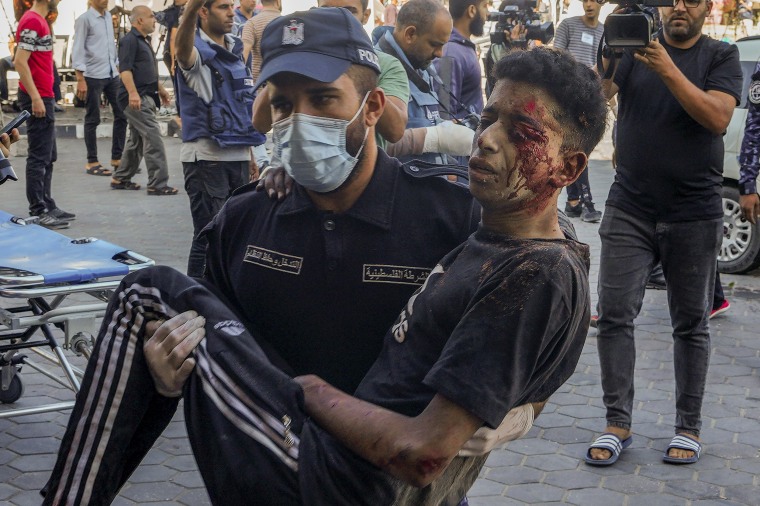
(754, 92)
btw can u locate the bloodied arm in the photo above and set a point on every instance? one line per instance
(414, 450)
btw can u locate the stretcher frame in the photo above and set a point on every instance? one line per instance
(43, 303)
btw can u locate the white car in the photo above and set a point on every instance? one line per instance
(740, 251)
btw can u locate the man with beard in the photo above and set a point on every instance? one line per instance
(260, 433)
(676, 99)
(459, 67)
(215, 90)
(422, 29)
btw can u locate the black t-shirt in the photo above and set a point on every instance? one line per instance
(669, 166)
(499, 322)
(322, 289)
(135, 54)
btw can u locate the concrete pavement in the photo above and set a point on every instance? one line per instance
(545, 467)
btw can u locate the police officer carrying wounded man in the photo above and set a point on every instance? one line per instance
(511, 302)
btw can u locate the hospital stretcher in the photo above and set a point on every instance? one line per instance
(50, 283)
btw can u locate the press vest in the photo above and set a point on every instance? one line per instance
(227, 119)
(422, 108)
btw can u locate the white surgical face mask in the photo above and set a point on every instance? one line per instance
(312, 149)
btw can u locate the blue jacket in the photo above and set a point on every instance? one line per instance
(227, 118)
(749, 156)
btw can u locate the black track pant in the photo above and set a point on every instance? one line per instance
(244, 416)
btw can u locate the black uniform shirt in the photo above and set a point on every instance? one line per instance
(324, 288)
(135, 54)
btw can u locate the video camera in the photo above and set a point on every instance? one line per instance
(519, 12)
(633, 26)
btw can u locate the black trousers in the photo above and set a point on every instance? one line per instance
(95, 88)
(581, 188)
(245, 417)
(208, 185)
(41, 155)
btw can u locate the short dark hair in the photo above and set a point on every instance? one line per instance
(364, 78)
(575, 87)
(457, 8)
(420, 14)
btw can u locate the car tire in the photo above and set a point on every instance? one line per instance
(740, 250)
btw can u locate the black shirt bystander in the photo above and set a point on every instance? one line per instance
(136, 54)
(670, 169)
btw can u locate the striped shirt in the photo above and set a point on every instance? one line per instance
(579, 39)
(252, 33)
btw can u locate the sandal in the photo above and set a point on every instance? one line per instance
(612, 444)
(164, 190)
(98, 170)
(124, 185)
(683, 443)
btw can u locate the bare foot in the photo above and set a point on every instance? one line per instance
(601, 453)
(115, 163)
(678, 453)
(92, 164)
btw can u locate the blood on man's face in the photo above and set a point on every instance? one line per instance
(518, 149)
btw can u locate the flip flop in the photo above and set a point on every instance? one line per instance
(98, 170)
(683, 443)
(611, 443)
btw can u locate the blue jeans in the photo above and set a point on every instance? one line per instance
(208, 185)
(630, 249)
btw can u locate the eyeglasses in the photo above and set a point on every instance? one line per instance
(689, 4)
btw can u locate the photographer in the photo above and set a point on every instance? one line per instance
(665, 205)
(517, 26)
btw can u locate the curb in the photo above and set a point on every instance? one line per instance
(65, 130)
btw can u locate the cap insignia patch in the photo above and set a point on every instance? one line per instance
(292, 34)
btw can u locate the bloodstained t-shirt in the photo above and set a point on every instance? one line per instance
(33, 35)
(499, 322)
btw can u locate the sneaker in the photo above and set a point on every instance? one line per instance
(725, 306)
(573, 211)
(589, 214)
(47, 220)
(62, 215)
(594, 320)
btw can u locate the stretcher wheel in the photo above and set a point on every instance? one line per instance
(14, 392)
